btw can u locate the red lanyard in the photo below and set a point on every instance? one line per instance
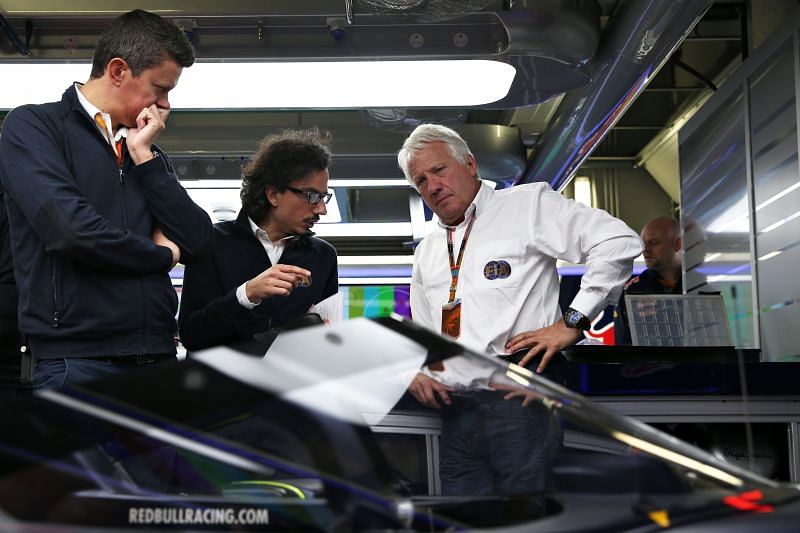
(455, 266)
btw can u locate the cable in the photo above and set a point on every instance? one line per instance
(694, 72)
(13, 37)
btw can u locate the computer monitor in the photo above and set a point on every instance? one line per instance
(678, 320)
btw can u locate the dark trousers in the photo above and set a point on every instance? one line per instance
(494, 446)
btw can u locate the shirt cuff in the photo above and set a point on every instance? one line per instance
(241, 295)
(587, 304)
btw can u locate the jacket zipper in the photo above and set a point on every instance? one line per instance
(122, 197)
(54, 279)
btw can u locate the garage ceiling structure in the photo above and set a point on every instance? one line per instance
(596, 83)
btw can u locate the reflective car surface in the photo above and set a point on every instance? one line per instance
(225, 441)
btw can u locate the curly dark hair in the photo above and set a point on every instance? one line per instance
(282, 158)
(143, 40)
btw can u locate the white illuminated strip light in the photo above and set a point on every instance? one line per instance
(729, 278)
(369, 183)
(211, 184)
(770, 255)
(780, 223)
(364, 229)
(777, 197)
(376, 259)
(374, 281)
(289, 85)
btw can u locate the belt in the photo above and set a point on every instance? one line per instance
(515, 357)
(478, 396)
(139, 359)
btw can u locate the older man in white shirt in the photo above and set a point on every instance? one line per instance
(486, 275)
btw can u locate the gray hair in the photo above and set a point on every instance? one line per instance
(425, 134)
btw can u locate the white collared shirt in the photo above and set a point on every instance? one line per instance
(93, 110)
(274, 251)
(528, 227)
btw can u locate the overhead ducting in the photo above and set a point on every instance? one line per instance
(420, 10)
(405, 120)
(551, 42)
(641, 36)
(547, 41)
(498, 150)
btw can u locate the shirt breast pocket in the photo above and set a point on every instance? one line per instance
(498, 265)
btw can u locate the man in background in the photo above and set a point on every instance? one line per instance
(97, 216)
(662, 255)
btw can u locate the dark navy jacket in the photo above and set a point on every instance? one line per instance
(91, 281)
(211, 315)
(648, 282)
(9, 335)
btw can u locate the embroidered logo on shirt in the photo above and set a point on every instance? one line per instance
(497, 270)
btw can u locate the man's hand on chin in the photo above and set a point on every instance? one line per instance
(149, 125)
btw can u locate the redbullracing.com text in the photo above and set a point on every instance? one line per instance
(206, 517)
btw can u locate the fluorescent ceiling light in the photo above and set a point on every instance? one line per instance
(374, 281)
(376, 260)
(332, 183)
(223, 204)
(291, 85)
(212, 184)
(368, 183)
(364, 229)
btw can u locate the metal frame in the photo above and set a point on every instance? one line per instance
(671, 409)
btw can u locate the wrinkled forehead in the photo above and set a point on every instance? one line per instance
(430, 154)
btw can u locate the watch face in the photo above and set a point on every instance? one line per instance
(571, 318)
(574, 319)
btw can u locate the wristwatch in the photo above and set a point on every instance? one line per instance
(574, 319)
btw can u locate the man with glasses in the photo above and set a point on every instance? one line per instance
(266, 268)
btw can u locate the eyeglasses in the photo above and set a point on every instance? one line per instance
(313, 197)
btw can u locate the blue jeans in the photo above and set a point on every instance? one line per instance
(494, 446)
(57, 373)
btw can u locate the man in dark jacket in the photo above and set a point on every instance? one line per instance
(97, 215)
(266, 268)
(662, 255)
